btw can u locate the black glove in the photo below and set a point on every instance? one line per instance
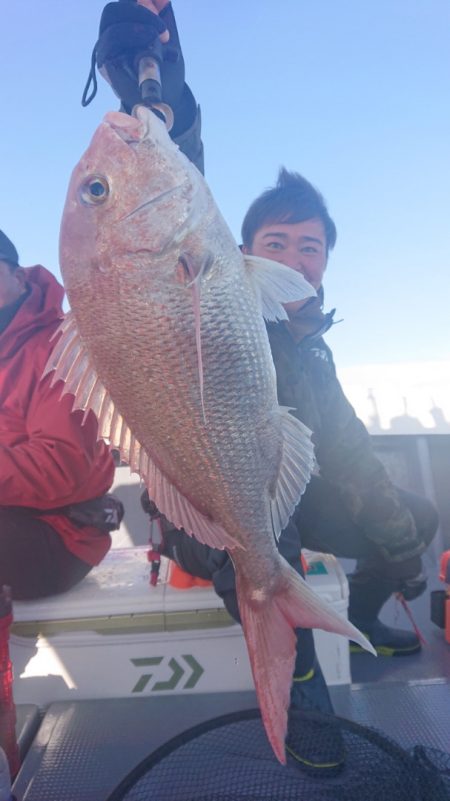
(412, 588)
(407, 576)
(127, 32)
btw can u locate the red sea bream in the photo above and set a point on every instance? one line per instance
(166, 342)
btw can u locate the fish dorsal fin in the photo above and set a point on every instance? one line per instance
(295, 470)
(277, 284)
(70, 363)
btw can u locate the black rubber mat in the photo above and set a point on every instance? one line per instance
(84, 749)
(418, 712)
(28, 719)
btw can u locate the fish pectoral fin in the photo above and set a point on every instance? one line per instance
(269, 630)
(193, 271)
(277, 284)
(295, 469)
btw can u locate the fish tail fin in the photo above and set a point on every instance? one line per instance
(269, 629)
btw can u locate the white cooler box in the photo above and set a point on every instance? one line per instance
(115, 636)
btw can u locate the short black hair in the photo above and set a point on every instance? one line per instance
(293, 199)
(8, 252)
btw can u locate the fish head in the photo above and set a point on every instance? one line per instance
(133, 195)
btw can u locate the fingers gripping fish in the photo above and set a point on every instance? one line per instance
(166, 343)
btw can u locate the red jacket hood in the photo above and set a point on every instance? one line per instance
(42, 307)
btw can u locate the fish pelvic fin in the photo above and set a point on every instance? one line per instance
(269, 629)
(276, 284)
(296, 466)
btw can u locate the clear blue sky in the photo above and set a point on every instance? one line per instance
(354, 94)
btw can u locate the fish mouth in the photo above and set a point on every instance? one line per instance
(133, 128)
(128, 128)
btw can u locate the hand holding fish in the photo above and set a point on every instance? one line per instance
(155, 6)
(130, 32)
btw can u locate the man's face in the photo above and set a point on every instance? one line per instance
(12, 283)
(302, 246)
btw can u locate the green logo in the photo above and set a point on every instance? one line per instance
(316, 569)
(176, 670)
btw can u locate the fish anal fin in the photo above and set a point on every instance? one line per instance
(181, 512)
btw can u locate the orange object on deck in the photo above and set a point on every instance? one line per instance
(444, 575)
(184, 581)
(444, 572)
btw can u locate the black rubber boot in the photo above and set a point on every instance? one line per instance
(368, 593)
(314, 743)
(387, 641)
(314, 740)
(310, 692)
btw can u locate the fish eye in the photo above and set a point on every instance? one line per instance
(94, 190)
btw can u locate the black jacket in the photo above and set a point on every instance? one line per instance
(307, 382)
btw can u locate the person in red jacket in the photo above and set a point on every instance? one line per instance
(55, 514)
